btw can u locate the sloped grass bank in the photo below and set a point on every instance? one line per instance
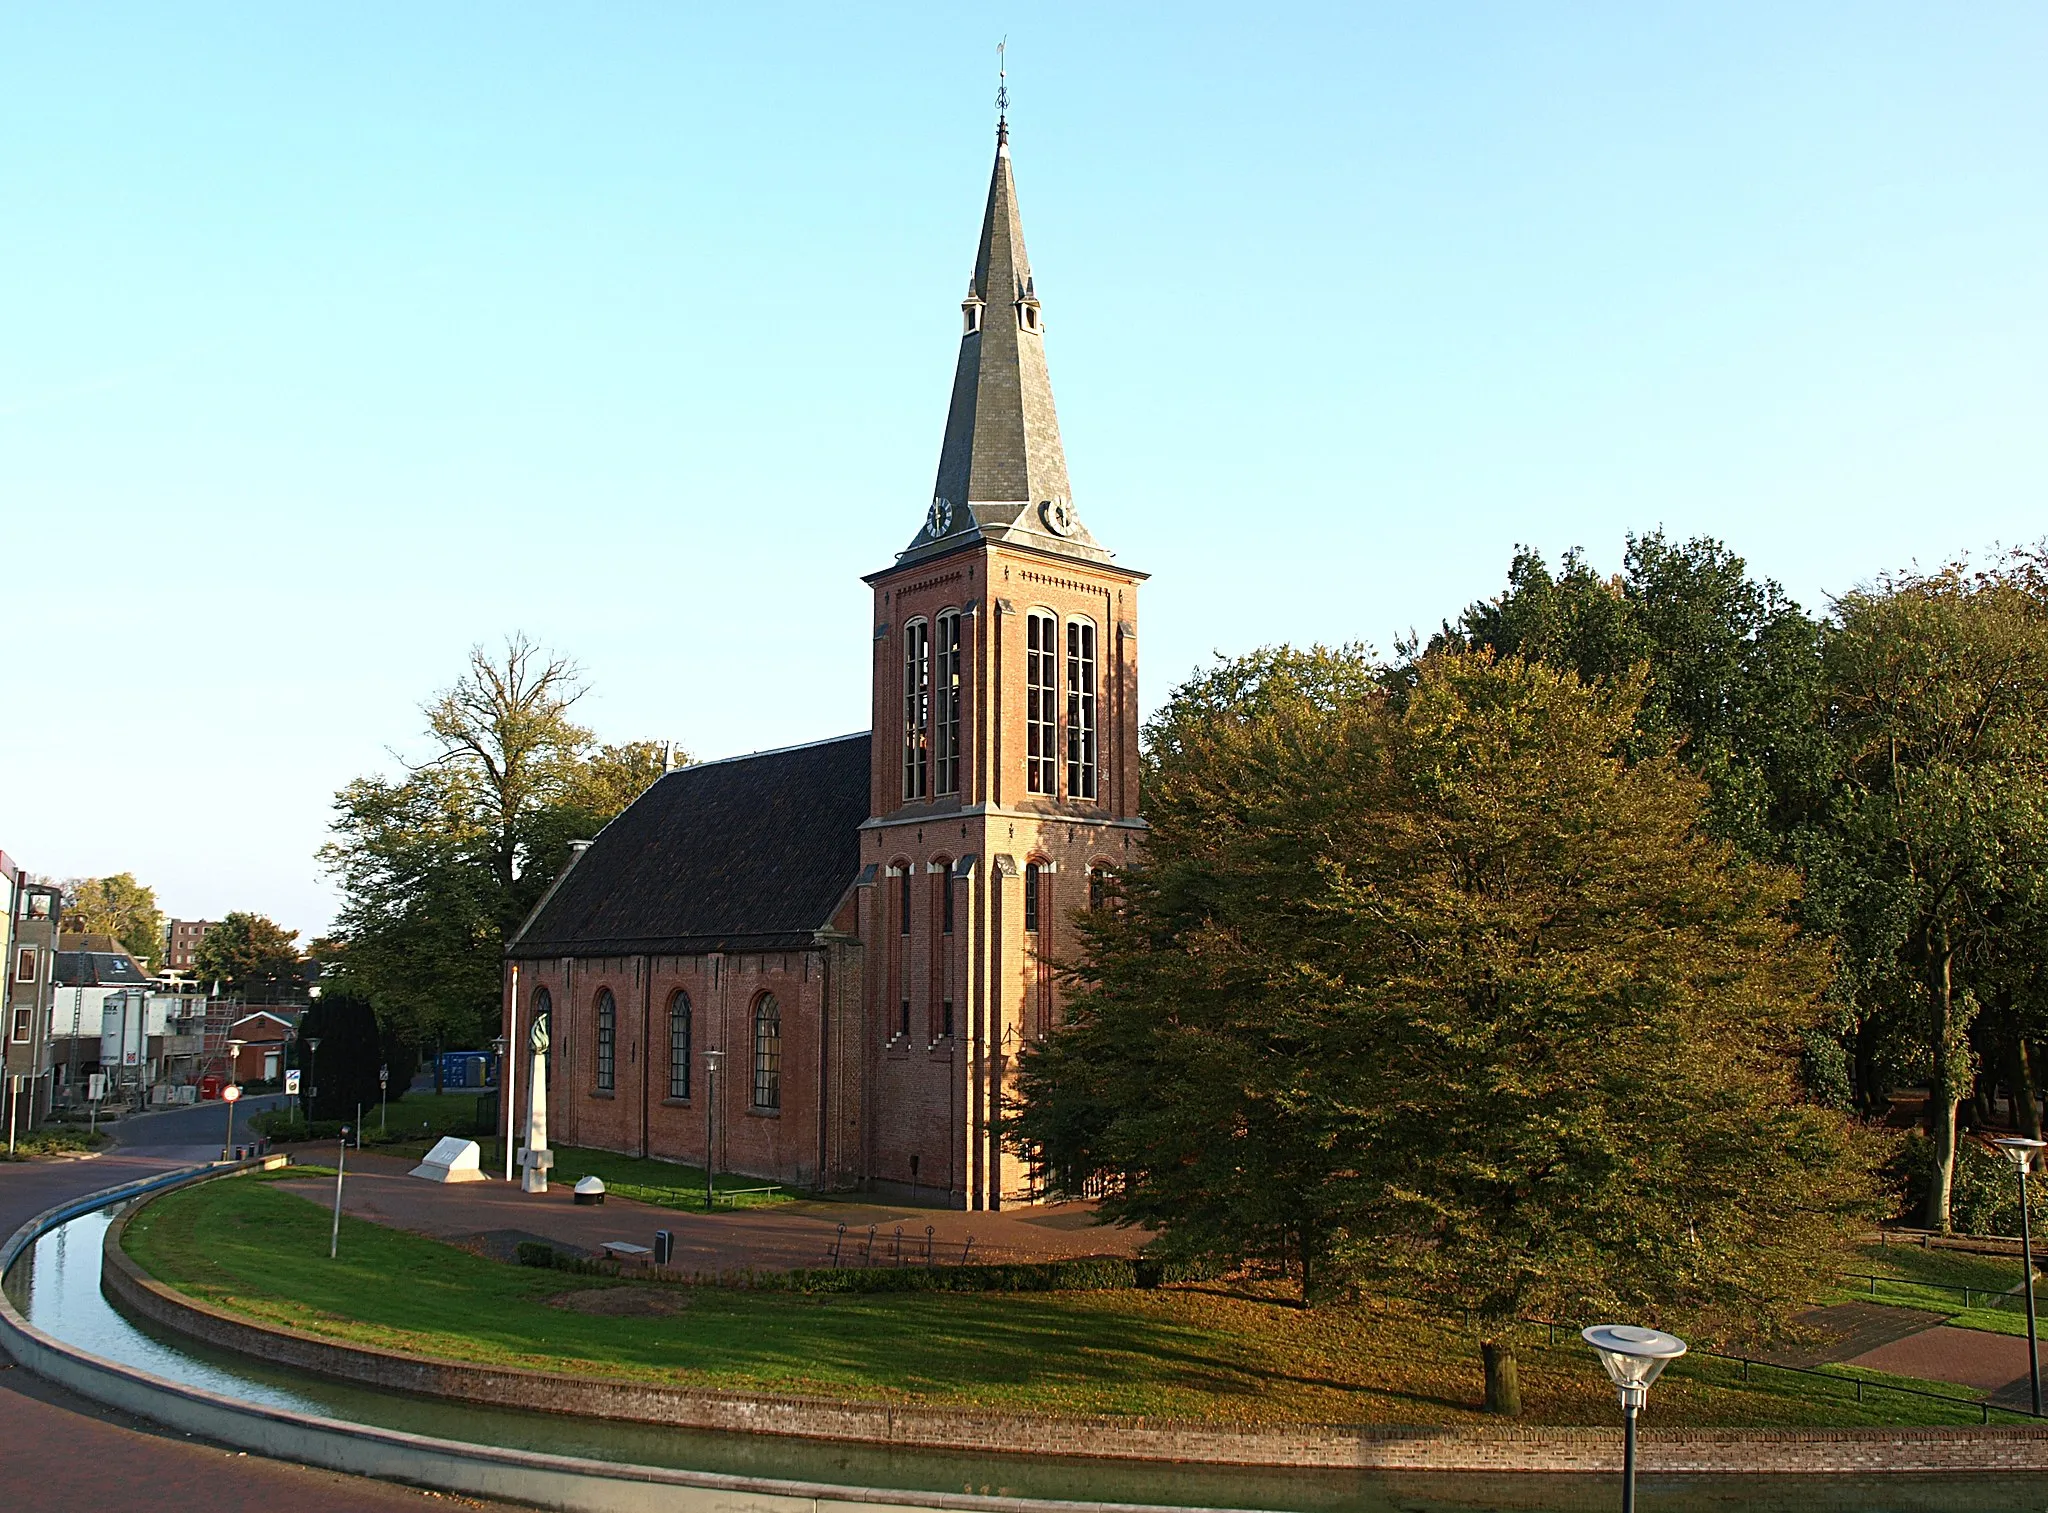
(1200, 1351)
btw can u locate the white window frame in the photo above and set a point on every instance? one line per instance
(945, 715)
(1041, 703)
(1083, 709)
(917, 709)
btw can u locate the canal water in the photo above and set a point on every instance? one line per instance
(56, 1285)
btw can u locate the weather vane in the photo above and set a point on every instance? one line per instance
(1002, 87)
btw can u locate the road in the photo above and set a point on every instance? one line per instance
(63, 1454)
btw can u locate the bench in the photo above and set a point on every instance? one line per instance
(626, 1253)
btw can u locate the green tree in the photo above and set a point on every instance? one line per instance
(439, 867)
(1939, 705)
(247, 954)
(1730, 669)
(118, 906)
(1440, 993)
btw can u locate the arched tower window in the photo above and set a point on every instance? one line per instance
(767, 1053)
(1033, 882)
(607, 1040)
(679, 1046)
(917, 709)
(1080, 710)
(1041, 719)
(946, 706)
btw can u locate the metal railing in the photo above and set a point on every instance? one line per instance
(1986, 1297)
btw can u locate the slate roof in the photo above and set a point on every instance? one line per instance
(749, 854)
(1001, 462)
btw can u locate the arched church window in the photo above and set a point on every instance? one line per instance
(1033, 883)
(917, 708)
(767, 1053)
(679, 1046)
(1080, 710)
(1041, 719)
(946, 710)
(607, 1040)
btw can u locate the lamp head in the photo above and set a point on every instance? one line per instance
(1634, 1357)
(2020, 1149)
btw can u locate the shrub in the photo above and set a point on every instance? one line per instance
(532, 1253)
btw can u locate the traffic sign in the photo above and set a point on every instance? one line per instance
(291, 1082)
(231, 1092)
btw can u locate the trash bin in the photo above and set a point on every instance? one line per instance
(664, 1247)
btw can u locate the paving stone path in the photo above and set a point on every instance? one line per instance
(491, 1216)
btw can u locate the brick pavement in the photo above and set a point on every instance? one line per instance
(62, 1454)
(777, 1238)
(1990, 1363)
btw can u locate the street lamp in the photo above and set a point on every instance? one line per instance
(711, 1060)
(2022, 1150)
(312, 1084)
(228, 1096)
(1634, 1357)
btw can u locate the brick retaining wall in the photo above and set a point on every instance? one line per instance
(1487, 1448)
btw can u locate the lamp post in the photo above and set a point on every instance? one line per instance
(383, 1095)
(498, 1044)
(340, 1166)
(2022, 1150)
(1634, 1357)
(228, 1095)
(711, 1060)
(312, 1086)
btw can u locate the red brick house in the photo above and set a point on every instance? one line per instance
(862, 928)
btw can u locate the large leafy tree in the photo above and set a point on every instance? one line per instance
(1437, 990)
(1938, 871)
(118, 906)
(248, 954)
(1730, 670)
(438, 867)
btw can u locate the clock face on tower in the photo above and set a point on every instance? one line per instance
(1058, 516)
(939, 518)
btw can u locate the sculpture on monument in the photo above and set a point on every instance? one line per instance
(534, 1156)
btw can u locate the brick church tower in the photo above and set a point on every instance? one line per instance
(1004, 751)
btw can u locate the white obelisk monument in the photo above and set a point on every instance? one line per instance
(534, 1156)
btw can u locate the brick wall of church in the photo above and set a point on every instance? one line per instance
(808, 1138)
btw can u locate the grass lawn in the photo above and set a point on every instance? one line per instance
(1197, 1352)
(1907, 1272)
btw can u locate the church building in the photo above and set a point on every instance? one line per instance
(826, 958)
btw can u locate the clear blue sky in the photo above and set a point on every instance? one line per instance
(335, 339)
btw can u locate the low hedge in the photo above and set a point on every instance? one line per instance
(1079, 1274)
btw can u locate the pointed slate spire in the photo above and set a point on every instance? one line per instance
(1002, 470)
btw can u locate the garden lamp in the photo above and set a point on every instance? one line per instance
(1634, 1357)
(2022, 1150)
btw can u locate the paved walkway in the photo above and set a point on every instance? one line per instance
(490, 1216)
(1993, 1364)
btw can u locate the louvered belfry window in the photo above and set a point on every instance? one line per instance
(946, 711)
(1080, 710)
(917, 709)
(767, 1053)
(1041, 716)
(607, 1041)
(679, 1046)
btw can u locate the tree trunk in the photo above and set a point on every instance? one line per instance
(1503, 1385)
(1942, 1093)
(2026, 1107)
